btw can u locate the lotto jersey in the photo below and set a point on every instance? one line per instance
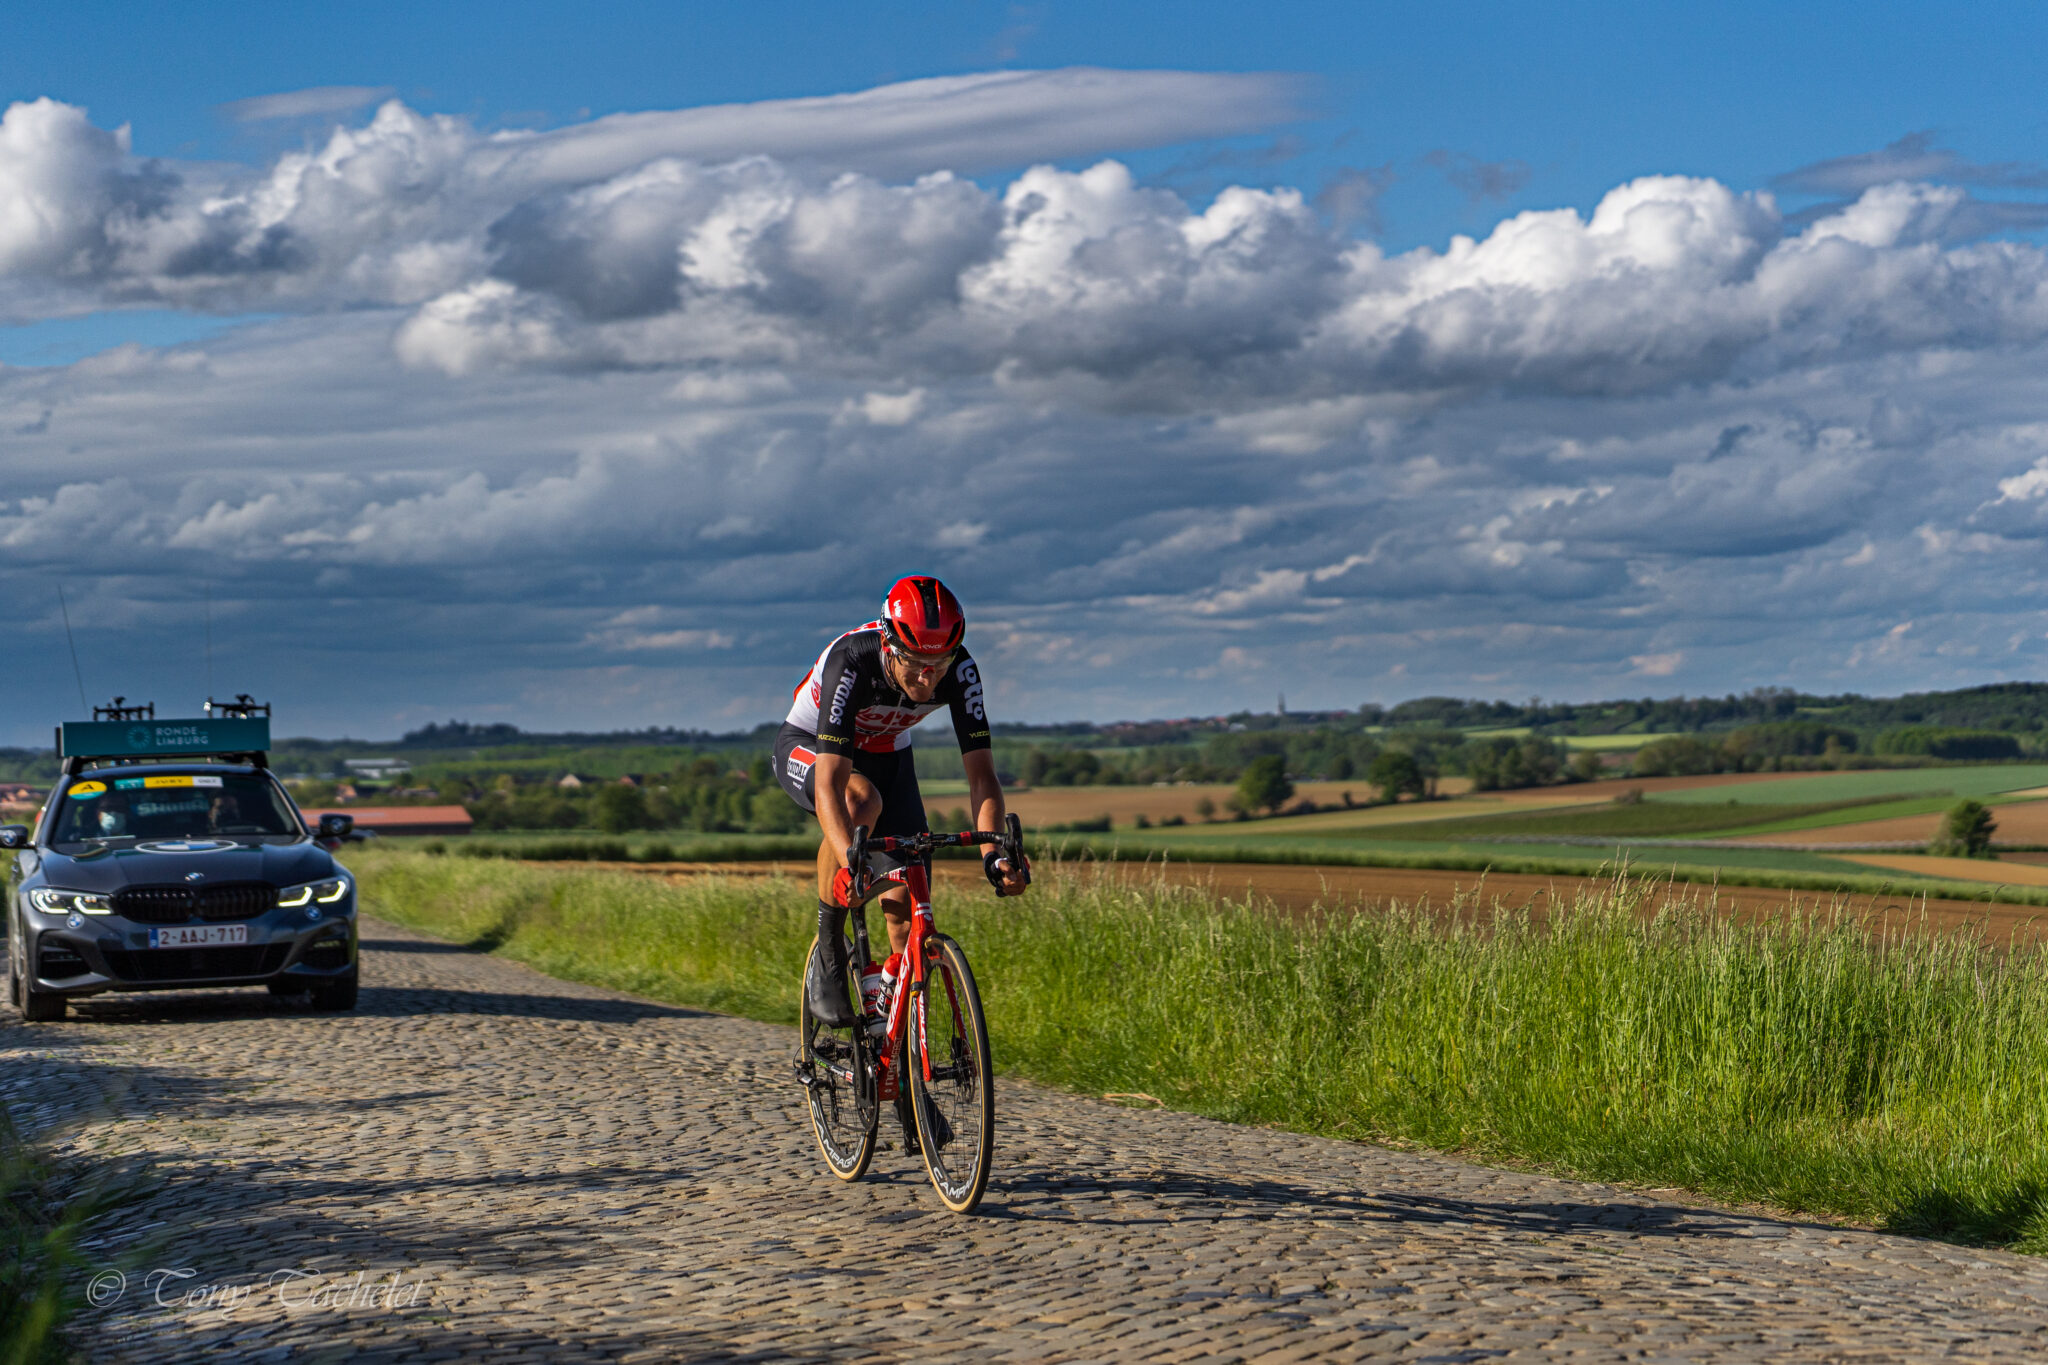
(848, 702)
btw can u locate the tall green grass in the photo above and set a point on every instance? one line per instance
(41, 1213)
(1880, 1072)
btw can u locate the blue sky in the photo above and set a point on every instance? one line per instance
(459, 397)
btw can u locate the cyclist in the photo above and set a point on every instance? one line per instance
(844, 754)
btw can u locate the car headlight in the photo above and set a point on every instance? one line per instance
(313, 893)
(54, 902)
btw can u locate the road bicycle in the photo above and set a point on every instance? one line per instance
(928, 1054)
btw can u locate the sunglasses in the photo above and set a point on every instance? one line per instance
(924, 663)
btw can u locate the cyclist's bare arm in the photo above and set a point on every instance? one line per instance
(985, 799)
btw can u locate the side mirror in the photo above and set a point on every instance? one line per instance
(13, 836)
(334, 826)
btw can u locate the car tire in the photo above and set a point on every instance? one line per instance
(36, 1007)
(338, 993)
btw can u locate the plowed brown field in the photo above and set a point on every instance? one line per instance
(1039, 806)
(1297, 888)
(2022, 822)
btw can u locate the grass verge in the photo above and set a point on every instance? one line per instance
(40, 1218)
(1882, 1073)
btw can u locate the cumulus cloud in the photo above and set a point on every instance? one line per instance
(627, 251)
(589, 425)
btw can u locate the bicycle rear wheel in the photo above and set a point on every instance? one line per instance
(836, 1067)
(956, 1107)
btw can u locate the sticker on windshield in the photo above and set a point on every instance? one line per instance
(190, 806)
(173, 780)
(80, 791)
(186, 846)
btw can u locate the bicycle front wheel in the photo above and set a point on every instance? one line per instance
(956, 1105)
(836, 1067)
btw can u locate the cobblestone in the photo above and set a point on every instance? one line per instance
(482, 1163)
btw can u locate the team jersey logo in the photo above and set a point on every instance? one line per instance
(970, 684)
(800, 761)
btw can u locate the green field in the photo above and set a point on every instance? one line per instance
(1609, 743)
(1612, 819)
(1978, 781)
(1896, 1077)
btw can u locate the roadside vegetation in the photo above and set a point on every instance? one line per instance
(1871, 1071)
(40, 1267)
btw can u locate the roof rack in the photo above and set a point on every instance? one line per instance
(123, 733)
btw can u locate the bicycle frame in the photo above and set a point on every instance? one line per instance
(908, 1003)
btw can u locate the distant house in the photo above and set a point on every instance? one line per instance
(378, 768)
(633, 780)
(19, 796)
(573, 781)
(402, 820)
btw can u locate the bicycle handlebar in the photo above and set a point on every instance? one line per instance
(1011, 840)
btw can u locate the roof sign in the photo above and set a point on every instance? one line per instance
(162, 738)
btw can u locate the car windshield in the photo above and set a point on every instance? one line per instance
(132, 804)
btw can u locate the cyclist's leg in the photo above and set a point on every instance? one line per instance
(902, 815)
(863, 807)
(795, 771)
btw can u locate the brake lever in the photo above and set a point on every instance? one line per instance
(857, 863)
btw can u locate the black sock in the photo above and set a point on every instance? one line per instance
(831, 932)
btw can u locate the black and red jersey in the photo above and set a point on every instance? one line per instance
(848, 702)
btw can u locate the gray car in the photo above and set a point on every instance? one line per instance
(149, 874)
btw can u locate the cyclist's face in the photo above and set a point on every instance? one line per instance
(918, 674)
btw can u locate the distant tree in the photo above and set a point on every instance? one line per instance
(1393, 773)
(1680, 756)
(618, 808)
(1205, 808)
(1342, 769)
(1965, 832)
(1585, 765)
(1264, 785)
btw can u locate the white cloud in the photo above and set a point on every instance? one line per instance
(891, 409)
(2025, 486)
(312, 102)
(576, 430)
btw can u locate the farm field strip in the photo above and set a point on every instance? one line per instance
(2019, 822)
(1301, 886)
(1957, 869)
(1978, 781)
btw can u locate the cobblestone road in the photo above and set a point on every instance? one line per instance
(537, 1170)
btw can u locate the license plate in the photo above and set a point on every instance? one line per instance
(198, 935)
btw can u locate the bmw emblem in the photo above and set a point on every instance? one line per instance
(195, 876)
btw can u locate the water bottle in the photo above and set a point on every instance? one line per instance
(873, 991)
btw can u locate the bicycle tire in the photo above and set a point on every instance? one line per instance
(837, 1069)
(956, 1108)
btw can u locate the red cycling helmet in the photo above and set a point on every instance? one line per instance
(921, 615)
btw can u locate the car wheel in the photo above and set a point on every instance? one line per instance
(37, 1007)
(338, 993)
